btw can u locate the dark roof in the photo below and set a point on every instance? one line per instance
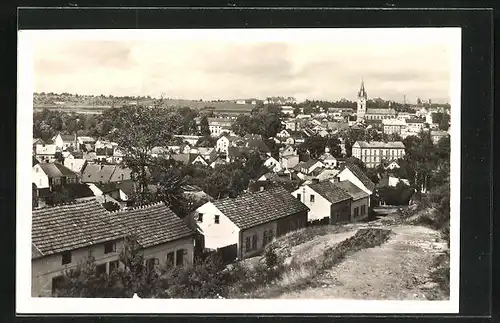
(252, 209)
(330, 192)
(360, 175)
(152, 224)
(55, 170)
(373, 121)
(306, 164)
(257, 144)
(68, 137)
(78, 190)
(71, 226)
(35, 161)
(355, 192)
(94, 173)
(182, 158)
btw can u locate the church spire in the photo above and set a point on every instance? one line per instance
(362, 91)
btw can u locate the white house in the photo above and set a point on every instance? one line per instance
(162, 236)
(327, 159)
(309, 166)
(199, 160)
(287, 151)
(246, 224)
(224, 142)
(392, 165)
(325, 201)
(273, 165)
(287, 110)
(415, 125)
(356, 176)
(283, 134)
(289, 161)
(63, 142)
(46, 152)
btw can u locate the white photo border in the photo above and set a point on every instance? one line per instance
(25, 304)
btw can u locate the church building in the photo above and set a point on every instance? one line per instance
(363, 113)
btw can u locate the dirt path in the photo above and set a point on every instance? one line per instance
(397, 270)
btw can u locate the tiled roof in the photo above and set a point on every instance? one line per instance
(55, 170)
(330, 192)
(253, 209)
(94, 173)
(380, 144)
(182, 158)
(78, 190)
(355, 192)
(68, 227)
(360, 175)
(121, 174)
(68, 138)
(414, 121)
(75, 164)
(152, 224)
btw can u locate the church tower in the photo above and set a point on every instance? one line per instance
(362, 97)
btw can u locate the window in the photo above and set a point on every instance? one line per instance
(254, 242)
(200, 217)
(114, 265)
(247, 244)
(170, 259)
(299, 197)
(109, 247)
(217, 219)
(100, 269)
(264, 239)
(311, 198)
(66, 257)
(363, 209)
(271, 235)
(179, 257)
(356, 212)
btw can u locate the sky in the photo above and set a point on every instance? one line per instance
(305, 64)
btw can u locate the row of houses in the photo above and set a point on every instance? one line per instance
(238, 228)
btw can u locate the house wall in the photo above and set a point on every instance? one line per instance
(161, 251)
(38, 177)
(340, 212)
(290, 162)
(319, 209)
(223, 234)
(45, 268)
(347, 175)
(273, 165)
(291, 223)
(259, 232)
(357, 204)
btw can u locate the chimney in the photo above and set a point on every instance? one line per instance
(315, 180)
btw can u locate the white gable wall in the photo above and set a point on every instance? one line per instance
(220, 235)
(39, 177)
(347, 175)
(319, 209)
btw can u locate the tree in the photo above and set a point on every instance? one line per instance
(206, 141)
(315, 145)
(296, 111)
(204, 126)
(137, 130)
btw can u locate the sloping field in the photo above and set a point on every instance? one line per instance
(397, 270)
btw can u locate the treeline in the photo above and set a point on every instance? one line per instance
(47, 123)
